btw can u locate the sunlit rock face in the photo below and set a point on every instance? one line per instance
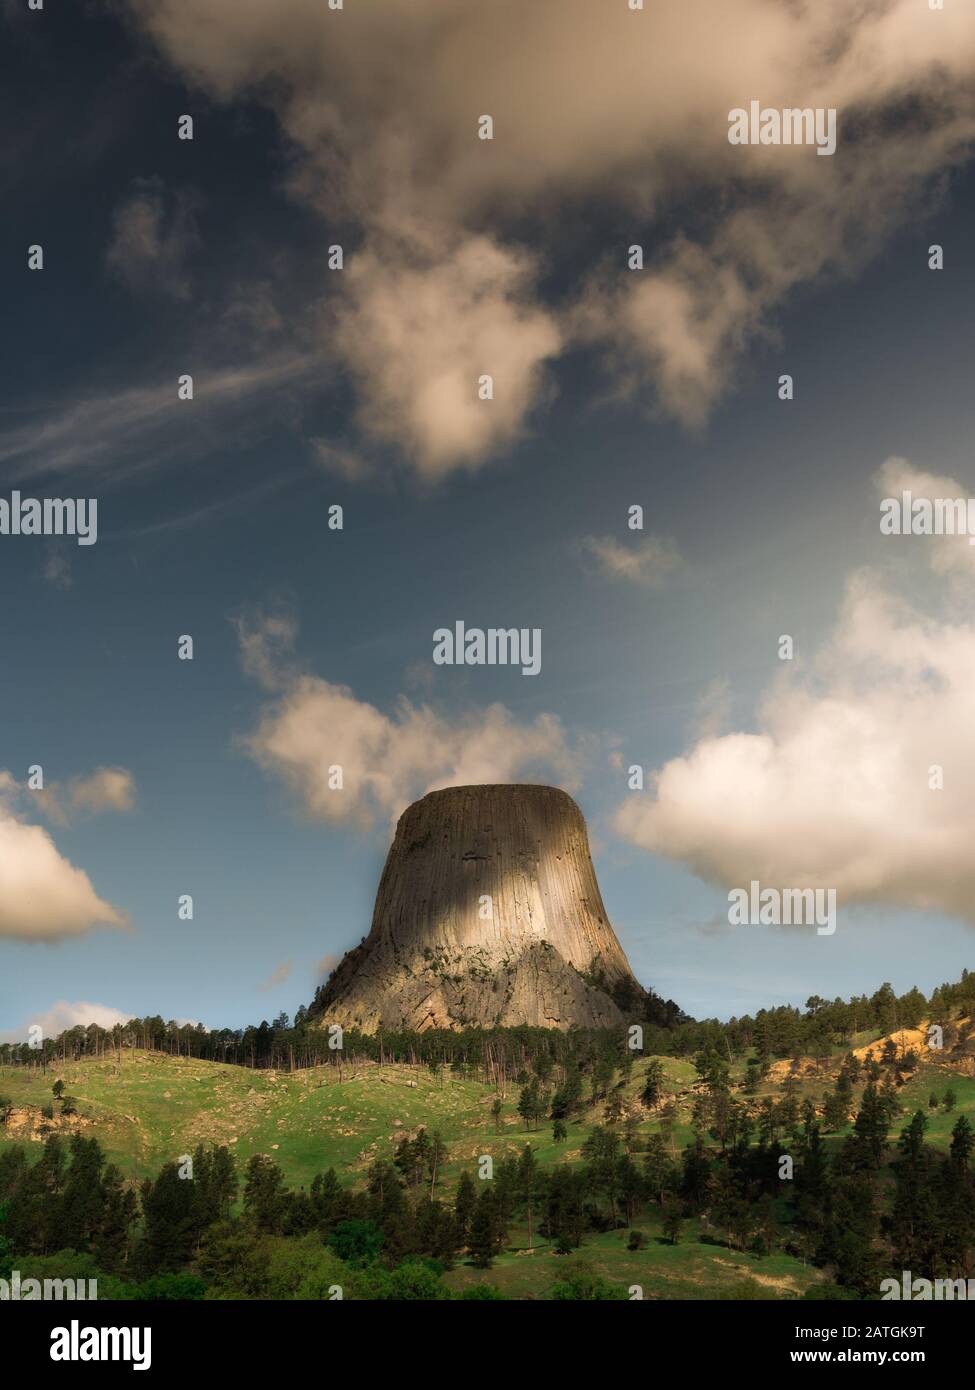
(488, 914)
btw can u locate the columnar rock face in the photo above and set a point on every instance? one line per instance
(488, 913)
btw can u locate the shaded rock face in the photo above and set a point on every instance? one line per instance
(488, 914)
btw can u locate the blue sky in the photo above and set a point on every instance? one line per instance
(166, 256)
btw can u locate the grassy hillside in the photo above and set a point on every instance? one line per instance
(148, 1108)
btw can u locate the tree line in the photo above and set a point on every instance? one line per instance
(494, 1054)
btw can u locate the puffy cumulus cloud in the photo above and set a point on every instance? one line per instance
(43, 897)
(388, 761)
(63, 1015)
(835, 791)
(594, 106)
(680, 327)
(150, 242)
(951, 553)
(105, 789)
(420, 334)
(648, 561)
(314, 727)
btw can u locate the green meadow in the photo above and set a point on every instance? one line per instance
(147, 1108)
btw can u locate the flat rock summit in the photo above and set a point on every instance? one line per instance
(488, 914)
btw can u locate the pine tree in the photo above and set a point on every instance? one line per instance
(872, 1123)
(658, 1170)
(167, 1209)
(110, 1239)
(83, 1200)
(695, 1173)
(528, 1103)
(673, 1222)
(420, 1150)
(962, 1142)
(528, 1188)
(812, 1187)
(436, 1158)
(835, 1110)
(914, 1221)
(652, 1084)
(465, 1200)
(482, 1240)
(264, 1194)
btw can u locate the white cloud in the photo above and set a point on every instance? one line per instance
(595, 107)
(63, 1015)
(266, 641)
(948, 554)
(419, 330)
(43, 897)
(833, 790)
(647, 561)
(105, 789)
(388, 760)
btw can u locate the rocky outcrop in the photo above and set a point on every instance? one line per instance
(28, 1122)
(488, 913)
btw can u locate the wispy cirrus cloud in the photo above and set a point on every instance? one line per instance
(134, 428)
(278, 976)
